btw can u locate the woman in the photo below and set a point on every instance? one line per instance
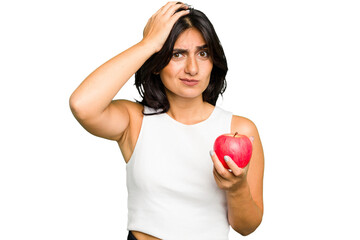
(175, 189)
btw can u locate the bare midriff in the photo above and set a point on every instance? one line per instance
(143, 236)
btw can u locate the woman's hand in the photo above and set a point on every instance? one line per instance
(231, 179)
(160, 24)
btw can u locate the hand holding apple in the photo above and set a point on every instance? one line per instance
(238, 147)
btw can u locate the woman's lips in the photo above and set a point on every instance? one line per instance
(189, 82)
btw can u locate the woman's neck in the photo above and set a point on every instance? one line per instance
(190, 112)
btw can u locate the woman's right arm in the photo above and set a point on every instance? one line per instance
(92, 102)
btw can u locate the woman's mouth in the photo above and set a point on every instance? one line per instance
(189, 82)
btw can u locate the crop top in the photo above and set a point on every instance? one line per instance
(172, 193)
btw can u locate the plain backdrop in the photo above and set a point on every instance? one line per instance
(294, 69)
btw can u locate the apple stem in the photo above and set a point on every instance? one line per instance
(235, 134)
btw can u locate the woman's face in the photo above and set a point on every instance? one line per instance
(188, 73)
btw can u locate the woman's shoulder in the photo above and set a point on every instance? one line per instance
(243, 126)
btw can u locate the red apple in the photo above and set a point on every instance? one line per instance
(237, 147)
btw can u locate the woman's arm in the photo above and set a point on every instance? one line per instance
(243, 187)
(91, 103)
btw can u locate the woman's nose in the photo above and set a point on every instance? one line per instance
(192, 67)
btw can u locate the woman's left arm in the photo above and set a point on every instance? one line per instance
(243, 186)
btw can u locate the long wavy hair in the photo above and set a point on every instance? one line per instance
(147, 79)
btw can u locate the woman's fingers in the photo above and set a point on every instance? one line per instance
(174, 8)
(223, 172)
(160, 24)
(234, 170)
(167, 6)
(233, 167)
(228, 179)
(179, 14)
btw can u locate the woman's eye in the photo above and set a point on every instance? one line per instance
(203, 54)
(177, 55)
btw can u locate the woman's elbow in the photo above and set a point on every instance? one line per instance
(79, 109)
(247, 230)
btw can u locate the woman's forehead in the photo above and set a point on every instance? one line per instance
(190, 38)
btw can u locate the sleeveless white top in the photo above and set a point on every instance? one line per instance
(172, 193)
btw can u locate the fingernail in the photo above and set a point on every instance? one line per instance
(212, 152)
(252, 139)
(226, 158)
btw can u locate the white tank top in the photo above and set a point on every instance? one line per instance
(172, 193)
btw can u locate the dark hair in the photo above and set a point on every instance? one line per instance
(148, 82)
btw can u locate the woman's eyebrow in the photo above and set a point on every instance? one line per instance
(205, 46)
(181, 50)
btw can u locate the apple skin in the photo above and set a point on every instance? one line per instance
(238, 147)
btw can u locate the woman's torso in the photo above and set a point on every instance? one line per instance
(129, 140)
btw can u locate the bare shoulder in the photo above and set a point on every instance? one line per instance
(244, 126)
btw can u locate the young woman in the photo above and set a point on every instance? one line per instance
(175, 189)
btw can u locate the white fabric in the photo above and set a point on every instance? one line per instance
(172, 193)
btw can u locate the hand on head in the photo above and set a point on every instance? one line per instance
(160, 24)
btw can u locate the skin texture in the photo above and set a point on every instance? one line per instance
(120, 120)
